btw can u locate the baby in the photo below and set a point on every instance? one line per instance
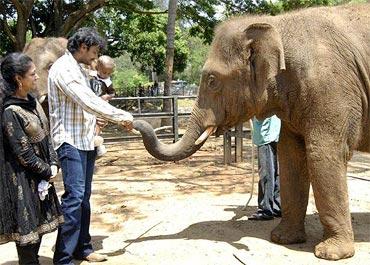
(102, 86)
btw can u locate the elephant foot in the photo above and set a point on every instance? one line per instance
(334, 248)
(285, 234)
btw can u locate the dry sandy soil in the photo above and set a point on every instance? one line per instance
(151, 212)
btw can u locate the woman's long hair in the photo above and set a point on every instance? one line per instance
(13, 64)
(10, 66)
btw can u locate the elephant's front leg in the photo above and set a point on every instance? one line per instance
(327, 165)
(294, 189)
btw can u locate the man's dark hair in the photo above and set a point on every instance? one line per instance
(88, 36)
(13, 64)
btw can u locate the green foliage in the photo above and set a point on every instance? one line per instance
(5, 44)
(127, 81)
(143, 37)
(56, 18)
(200, 17)
(127, 78)
(295, 4)
(196, 60)
(48, 18)
(248, 6)
(42, 18)
(7, 12)
(273, 8)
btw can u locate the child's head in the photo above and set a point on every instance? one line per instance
(105, 66)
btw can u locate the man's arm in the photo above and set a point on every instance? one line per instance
(85, 97)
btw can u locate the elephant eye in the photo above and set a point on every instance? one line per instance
(213, 83)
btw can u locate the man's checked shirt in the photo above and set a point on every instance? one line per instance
(73, 105)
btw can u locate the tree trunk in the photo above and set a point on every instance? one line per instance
(57, 19)
(172, 7)
(77, 17)
(23, 13)
(20, 37)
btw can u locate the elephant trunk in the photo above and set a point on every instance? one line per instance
(170, 152)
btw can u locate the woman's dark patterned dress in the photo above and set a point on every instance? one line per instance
(28, 156)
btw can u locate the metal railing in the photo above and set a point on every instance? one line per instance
(237, 133)
(140, 112)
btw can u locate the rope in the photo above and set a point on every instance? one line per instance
(253, 175)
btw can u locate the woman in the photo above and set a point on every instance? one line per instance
(25, 212)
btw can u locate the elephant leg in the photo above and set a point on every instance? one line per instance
(327, 165)
(294, 189)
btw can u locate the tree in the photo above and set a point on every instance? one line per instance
(45, 18)
(199, 17)
(55, 18)
(143, 37)
(234, 7)
(170, 51)
(195, 62)
(23, 10)
(127, 77)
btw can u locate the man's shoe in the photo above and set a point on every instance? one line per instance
(95, 257)
(259, 216)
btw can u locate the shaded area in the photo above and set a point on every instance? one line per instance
(200, 199)
(233, 231)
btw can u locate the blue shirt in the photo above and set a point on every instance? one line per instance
(266, 131)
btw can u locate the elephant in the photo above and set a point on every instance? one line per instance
(44, 52)
(311, 68)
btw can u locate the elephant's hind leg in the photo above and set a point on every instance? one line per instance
(294, 189)
(327, 167)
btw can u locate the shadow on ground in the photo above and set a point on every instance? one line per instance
(232, 231)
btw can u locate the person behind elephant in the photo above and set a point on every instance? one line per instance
(265, 136)
(102, 86)
(29, 206)
(74, 109)
(320, 91)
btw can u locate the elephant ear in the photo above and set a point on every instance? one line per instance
(266, 57)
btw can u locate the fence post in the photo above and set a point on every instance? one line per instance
(227, 147)
(175, 121)
(239, 143)
(139, 105)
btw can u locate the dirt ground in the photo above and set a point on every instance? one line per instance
(150, 212)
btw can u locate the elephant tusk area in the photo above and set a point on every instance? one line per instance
(205, 135)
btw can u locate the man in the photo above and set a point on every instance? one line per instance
(265, 136)
(73, 110)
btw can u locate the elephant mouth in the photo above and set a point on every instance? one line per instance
(210, 130)
(220, 131)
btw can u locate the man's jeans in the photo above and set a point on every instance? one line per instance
(73, 238)
(269, 183)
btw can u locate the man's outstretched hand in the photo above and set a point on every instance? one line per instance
(127, 125)
(101, 122)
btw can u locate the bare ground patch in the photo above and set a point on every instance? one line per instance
(150, 212)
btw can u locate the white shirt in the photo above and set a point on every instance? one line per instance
(107, 81)
(73, 105)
